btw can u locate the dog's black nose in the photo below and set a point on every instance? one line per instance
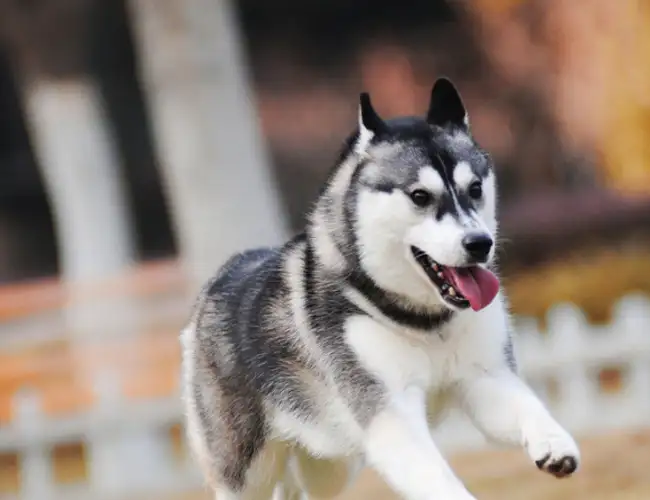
(478, 246)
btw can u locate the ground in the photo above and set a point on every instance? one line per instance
(615, 467)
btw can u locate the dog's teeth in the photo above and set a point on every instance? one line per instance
(440, 275)
(452, 291)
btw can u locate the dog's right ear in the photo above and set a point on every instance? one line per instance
(370, 123)
(446, 106)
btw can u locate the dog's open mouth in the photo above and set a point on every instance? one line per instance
(461, 287)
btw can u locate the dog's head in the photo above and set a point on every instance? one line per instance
(422, 203)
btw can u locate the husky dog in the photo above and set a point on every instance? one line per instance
(343, 346)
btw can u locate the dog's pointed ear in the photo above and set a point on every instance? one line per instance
(370, 123)
(368, 117)
(446, 106)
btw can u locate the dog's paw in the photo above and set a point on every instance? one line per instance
(555, 452)
(559, 467)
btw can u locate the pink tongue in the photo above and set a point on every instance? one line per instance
(479, 286)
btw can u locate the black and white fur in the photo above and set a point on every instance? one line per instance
(301, 363)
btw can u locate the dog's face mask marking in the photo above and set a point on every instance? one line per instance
(425, 203)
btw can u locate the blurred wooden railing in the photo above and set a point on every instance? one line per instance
(60, 368)
(542, 227)
(20, 300)
(148, 365)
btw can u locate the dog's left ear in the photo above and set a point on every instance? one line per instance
(446, 106)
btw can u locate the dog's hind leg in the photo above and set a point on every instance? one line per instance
(289, 490)
(225, 494)
(227, 434)
(319, 477)
(261, 481)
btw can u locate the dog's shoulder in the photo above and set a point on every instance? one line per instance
(244, 289)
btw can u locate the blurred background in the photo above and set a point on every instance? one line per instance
(144, 141)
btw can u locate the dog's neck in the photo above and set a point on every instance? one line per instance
(344, 271)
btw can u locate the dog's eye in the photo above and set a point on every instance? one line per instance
(421, 197)
(475, 190)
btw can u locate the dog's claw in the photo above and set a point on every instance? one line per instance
(564, 466)
(540, 463)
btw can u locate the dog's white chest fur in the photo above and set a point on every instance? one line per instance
(402, 358)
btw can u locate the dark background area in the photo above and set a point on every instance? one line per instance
(308, 61)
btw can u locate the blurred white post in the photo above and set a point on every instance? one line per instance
(105, 459)
(80, 170)
(125, 456)
(81, 175)
(211, 151)
(36, 467)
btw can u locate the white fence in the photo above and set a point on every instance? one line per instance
(128, 447)
(130, 452)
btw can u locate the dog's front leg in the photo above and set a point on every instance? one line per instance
(506, 410)
(399, 446)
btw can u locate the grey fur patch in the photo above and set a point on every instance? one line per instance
(509, 353)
